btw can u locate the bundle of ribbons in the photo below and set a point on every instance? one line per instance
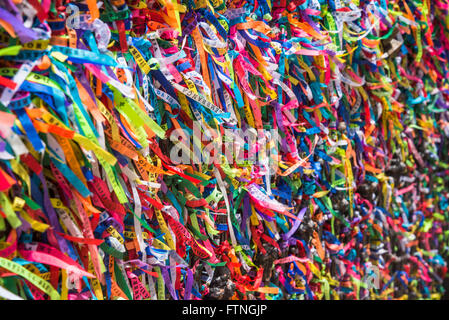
(123, 173)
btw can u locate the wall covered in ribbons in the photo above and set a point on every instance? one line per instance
(231, 150)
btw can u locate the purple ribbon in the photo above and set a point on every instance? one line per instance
(168, 283)
(51, 214)
(189, 283)
(25, 35)
(296, 224)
